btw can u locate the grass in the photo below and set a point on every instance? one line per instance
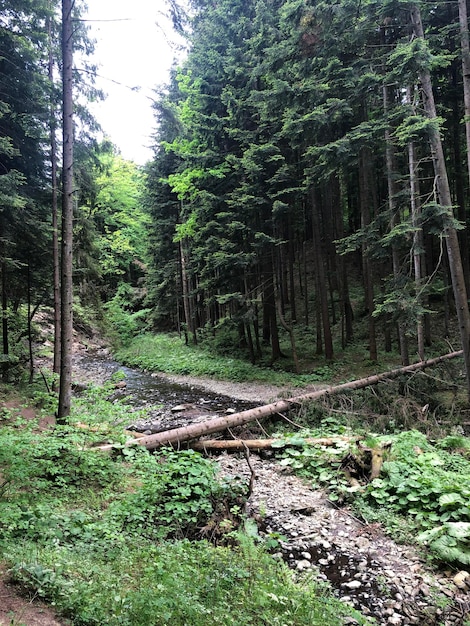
(112, 539)
(168, 353)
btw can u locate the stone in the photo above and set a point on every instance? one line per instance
(462, 579)
(353, 584)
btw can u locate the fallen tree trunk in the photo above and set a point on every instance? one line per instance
(218, 424)
(260, 444)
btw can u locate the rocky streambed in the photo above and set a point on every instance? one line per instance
(382, 579)
(386, 581)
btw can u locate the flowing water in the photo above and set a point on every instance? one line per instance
(166, 404)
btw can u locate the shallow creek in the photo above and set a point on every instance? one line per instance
(167, 404)
(385, 581)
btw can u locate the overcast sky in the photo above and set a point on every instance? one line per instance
(133, 52)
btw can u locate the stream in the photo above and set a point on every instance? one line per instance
(167, 404)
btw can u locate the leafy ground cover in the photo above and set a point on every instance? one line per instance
(422, 493)
(134, 538)
(168, 353)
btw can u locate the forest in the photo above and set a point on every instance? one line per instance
(303, 223)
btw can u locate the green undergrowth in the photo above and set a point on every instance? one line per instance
(422, 493)
(134, 538)
(168, 353)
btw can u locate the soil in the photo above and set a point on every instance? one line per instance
(17, 609)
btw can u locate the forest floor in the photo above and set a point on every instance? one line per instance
(381, 578)
(17, 608)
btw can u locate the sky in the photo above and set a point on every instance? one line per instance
(134, 56)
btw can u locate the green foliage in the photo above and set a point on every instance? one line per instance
(426, 483)
(122, 322)
(178, 583)
(450, 542)
(85, 531)
(168, 353)
(178, 500)
(320, 464)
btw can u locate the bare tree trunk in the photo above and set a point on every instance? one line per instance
(5, 330)
(65, 384)
(367, 270)
(465, 47)
(29, 328)
(55, 207)
(418, 243)
(342, 278)
(452, 242)
(187, 302)
(292, 298)
(392, 205)
(260, 444)
(322, 295)
(270, 329)
(192, 431)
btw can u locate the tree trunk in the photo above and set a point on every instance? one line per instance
(392, 205)
(187, 301)
(418, 243)
(238, 445)
(452, 242)
(192, 431)
(270, 329)
(55, 207)
(465, 47)
(6, 347)
(65, 384)
(364, 192)
(29, 328)
(322, 295)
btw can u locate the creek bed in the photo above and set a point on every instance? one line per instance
(365, 568)
(167, 404)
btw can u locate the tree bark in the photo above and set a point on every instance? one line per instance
(54, 208)
(5, 330)
(322, 291)
(418, 242)
(65, 384)
(236, 445)
(390, 161)
(465, 47)
(192, 431)
(452, 242)
(364, 199)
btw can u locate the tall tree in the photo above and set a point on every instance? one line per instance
(66, 339)
(445, 198)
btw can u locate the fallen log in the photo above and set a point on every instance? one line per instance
(261, 444)
(218, 424)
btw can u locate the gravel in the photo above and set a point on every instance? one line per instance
(367, 569)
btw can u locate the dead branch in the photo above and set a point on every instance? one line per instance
(236, 445)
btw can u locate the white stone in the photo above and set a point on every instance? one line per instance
(353, 584)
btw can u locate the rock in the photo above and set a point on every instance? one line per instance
(381, 579)
(352, 584)
(462, 579)
(181, 407)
